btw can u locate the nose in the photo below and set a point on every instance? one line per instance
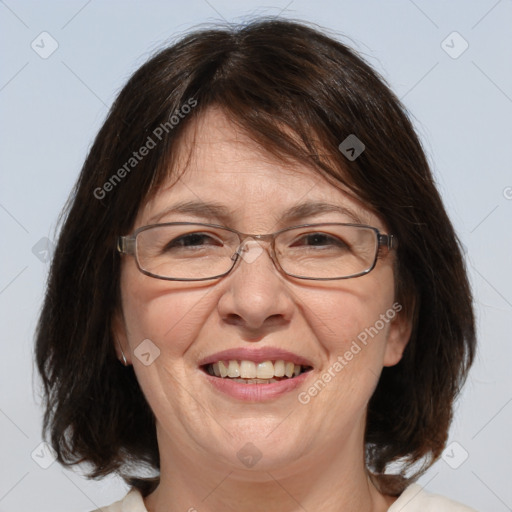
(256, 297)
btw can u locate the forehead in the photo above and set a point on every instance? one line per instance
(217, 163)
(215, 145)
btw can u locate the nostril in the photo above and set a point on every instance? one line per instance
(233, 319)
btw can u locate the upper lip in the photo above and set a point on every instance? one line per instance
(258, 355)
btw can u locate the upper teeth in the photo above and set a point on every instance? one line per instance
(251, 370)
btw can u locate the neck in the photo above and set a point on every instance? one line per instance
(328, 482)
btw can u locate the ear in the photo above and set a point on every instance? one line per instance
(400, 330)
(122, 347)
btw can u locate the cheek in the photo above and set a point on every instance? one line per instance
(352, 330)
(352, 324)
(168, 314)
(356, 309)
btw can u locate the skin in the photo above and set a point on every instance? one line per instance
(312, 455)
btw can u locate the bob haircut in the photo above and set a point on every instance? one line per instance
(298, 94)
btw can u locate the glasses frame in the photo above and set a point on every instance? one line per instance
(127, 244)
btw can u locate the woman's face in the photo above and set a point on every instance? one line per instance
(346, 330)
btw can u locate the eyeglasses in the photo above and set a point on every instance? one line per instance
(186, 251)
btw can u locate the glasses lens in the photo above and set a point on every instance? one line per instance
(327, 251)
(186, 251)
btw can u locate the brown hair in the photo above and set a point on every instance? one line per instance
(299, 94)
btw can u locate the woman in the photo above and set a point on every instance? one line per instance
(257, 237)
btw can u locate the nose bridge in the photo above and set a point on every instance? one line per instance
(252, 246)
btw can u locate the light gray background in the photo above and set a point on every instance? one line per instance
(52, 108)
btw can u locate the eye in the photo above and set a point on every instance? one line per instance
(319, 240)
(193, 240)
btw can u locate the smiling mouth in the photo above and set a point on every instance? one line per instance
(249, 372)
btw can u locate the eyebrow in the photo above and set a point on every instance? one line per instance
(212, 211)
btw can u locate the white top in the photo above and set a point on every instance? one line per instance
(413, 499)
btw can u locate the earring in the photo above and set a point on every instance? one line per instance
(125, 362)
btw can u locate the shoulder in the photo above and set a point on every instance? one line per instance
(132, 502)
(415, 499)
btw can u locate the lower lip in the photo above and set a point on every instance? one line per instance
(256, 392)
